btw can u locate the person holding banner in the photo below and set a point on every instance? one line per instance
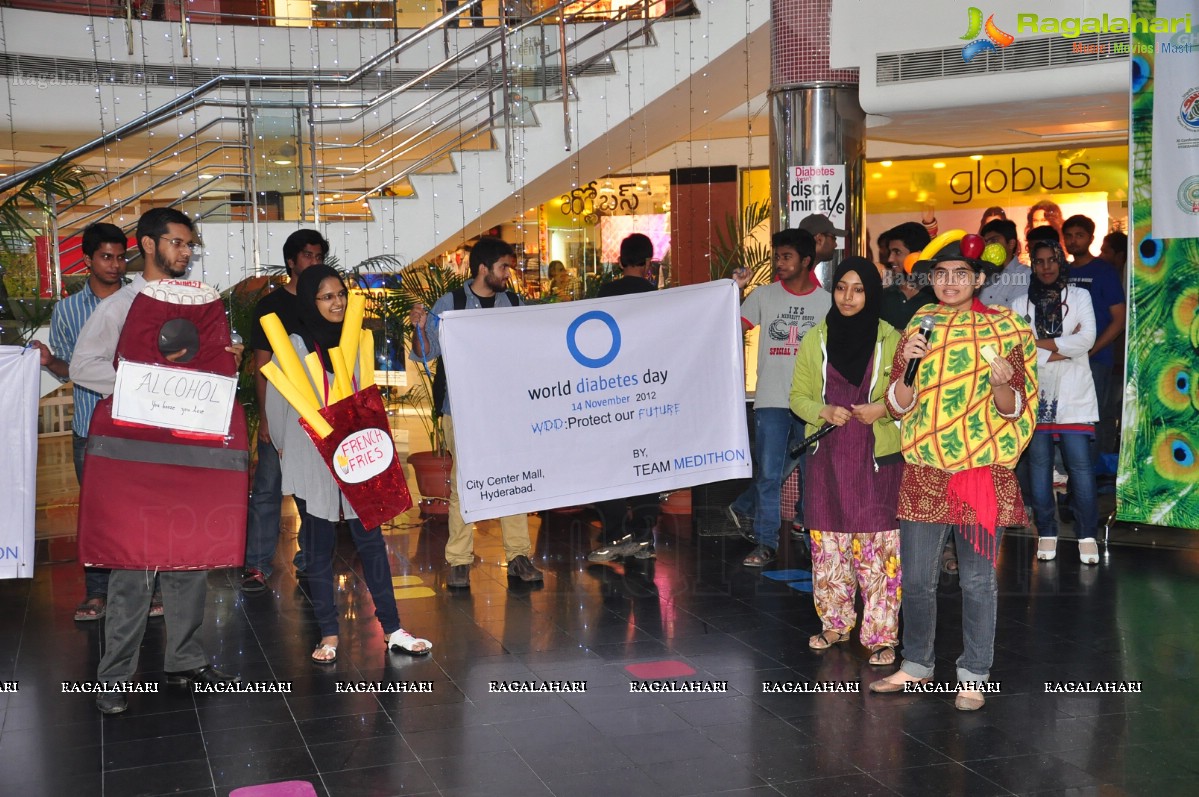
(321, 301)
(628, 523)
(964, 382)
(491, 260)
(104, 248)
(852, 480)
(167, 239)
(785, 310)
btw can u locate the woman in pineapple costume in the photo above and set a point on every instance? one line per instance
(966, 417)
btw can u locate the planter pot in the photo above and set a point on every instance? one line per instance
(432, 471)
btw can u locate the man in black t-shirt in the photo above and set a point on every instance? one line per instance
(303, 248)
(628, 522)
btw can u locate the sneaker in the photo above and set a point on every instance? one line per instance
(253, 581)
(520, 567)
(742, 523)
(459, 577)
(625, 546)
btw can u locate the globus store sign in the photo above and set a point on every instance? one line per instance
(1005, 179)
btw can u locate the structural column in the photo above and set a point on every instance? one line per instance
(817, 127)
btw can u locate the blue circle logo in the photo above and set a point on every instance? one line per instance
(573, 330)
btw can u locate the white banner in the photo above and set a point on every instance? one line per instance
(173, 398)
(563, 404)
(1175, 128)
(19, 382)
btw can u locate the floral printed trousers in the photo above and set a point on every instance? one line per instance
(842, 563)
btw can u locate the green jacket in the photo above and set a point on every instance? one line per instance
(808, 384)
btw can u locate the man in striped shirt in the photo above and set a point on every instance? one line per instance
(104, 255)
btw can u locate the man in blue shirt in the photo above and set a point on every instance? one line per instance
(104, 255)
(1107, 296)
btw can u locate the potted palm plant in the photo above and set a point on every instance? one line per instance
(422, 285)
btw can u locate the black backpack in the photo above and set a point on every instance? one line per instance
(439, 386)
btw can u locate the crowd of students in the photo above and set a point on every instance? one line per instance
(930, 470)
(941, 383)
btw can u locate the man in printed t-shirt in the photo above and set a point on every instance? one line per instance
(785, 311)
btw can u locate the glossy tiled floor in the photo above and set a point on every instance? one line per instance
(1133, 618)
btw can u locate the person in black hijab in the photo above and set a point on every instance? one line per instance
(852, 485)
(321, 299)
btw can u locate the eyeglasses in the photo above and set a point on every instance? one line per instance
(179, 243)
(328, 297)
(962, 275)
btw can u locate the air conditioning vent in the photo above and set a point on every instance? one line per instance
(1023, 55)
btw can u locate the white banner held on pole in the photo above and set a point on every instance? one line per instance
(1175, 129)
(19, 383)
(563, 404)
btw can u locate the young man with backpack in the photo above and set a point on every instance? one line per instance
(491, 260)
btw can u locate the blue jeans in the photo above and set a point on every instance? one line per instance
(265, 511)
(95, 579)
(775, 431)
(1076, 453)
(376, 570)
(920, 546)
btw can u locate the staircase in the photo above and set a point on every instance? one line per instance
(632, 88)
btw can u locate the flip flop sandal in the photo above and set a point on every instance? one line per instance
(90, 610)
(325, 654)
(882, 656)
(822, 641)
(402, 641)
(759, 557)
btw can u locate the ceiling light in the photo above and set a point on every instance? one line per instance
(207, 176)
(976, 157)
(939, 165)
(886, 163)
(876, 175)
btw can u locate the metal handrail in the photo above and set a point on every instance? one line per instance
(423, 116)
(186, 101)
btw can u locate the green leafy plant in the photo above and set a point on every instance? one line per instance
(22, 313)
(423, 285)
(738, 245)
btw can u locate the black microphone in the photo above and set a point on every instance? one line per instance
(812, 438)
(926, 329)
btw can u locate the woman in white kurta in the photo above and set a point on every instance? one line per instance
(1064, 323)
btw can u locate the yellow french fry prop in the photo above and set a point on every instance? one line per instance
(341, 375)
(317, 370)
(301, 403)
(289, 361)
(366, 359)
(351, 326)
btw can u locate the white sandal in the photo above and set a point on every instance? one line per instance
(1047, 549)
(325, 654)
(1088, 551)
(403, 641)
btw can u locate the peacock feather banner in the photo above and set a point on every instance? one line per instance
(1159, 475)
